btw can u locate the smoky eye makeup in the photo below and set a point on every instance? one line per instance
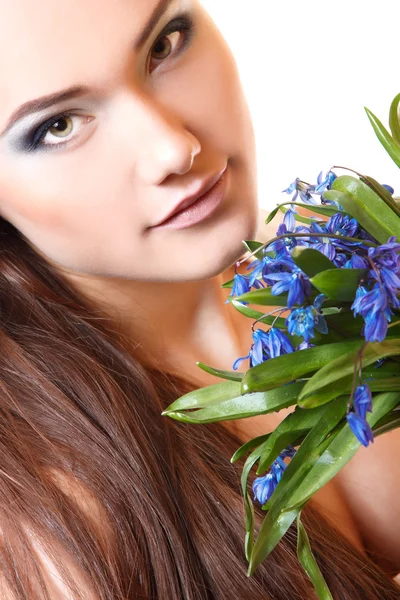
(30, 141)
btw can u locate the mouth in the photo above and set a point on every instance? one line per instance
(198, 209)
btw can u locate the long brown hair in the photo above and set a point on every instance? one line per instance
(125, 503)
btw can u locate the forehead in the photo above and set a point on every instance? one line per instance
(47, 45)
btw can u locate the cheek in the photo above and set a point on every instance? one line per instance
(49, 195)
(208, 91)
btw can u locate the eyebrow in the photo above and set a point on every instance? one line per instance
(38, 104)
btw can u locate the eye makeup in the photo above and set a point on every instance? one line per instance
(32, 140)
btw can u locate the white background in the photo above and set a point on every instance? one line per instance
(308, 68)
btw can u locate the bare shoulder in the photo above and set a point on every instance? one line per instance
(370, 485)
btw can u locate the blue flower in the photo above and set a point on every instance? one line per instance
(296, 283)
(361, 428)
(241, 285)
(356, 262)
(373, 306)
(362, 400)
(289, 220)
(300, 322)
(257, 350)
(303, 189)
(264, 486)
(325, 184)
(278, 343)
(386, 255)
(376, 326)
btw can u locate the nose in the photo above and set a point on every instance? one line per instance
(157, 139)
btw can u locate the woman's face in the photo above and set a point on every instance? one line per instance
(149, 125)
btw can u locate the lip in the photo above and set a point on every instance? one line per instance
(201, 208)
(195, 196)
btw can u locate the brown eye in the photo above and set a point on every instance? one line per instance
(163, 46)
(62, 127)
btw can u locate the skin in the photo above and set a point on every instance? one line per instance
(155, 123)
(146, 134)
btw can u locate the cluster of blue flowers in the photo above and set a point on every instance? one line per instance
(264, 486)
(375, 299)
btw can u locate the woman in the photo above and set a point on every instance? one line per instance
(111, 115)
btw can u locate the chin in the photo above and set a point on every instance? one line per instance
(227, 247)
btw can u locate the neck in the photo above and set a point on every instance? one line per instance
(174, 325)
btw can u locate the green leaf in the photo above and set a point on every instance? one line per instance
(248, 504)
(231, 375)
(294, 426)
(248, 446)
(241, 407)
(227, 284)
(339, 284)
(339, 452)
(206, 396)
(327, 211)
(255, 315)
(390, 145)
(309, 563)
(272, 215)
(382, 193)
(343, 364)
(279, 517)
(263, 297)
(346, 323)
(341, 386)
(359, 200)
(387, 423)
(288, 367)
(394, 118)
(311, 261)
(251, 246)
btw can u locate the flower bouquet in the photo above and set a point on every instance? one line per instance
(332, 347)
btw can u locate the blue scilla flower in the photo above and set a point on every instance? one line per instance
(362, 400)
(373, 306)
(257, 350)
(368, 302)
(343, 225)
(390, 283)
(302, 189)
(386, 255)
(264, 486)
(301, 321)
(356, 262)
(267, 344)
(289, 219)
(337, 225)
(324, 183)
(361, 428)
(376, 325)
(241, 285)
(296, 283)
(278, 343)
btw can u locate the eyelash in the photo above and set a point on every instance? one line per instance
(183, 23)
